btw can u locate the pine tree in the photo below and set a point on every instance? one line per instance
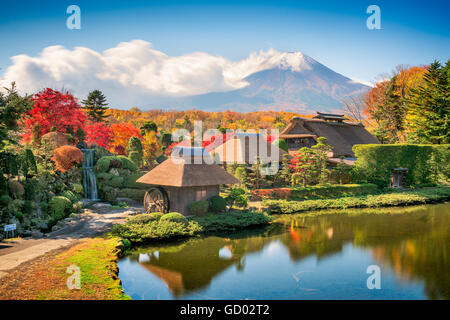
(430, 106)
(255, 178)
(285, 173)
(95, 105)
(321, 150)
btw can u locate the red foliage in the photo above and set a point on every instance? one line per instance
(121, 134)
(99, 134)
(53, 109)
(275, 193)
(66, 157)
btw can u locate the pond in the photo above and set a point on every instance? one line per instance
(324, 256)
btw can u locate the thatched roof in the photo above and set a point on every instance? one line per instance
(188, 167)
(245, 147)
(340, 135)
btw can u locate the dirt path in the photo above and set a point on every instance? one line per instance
(86, 225)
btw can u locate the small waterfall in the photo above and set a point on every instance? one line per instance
(89, 180)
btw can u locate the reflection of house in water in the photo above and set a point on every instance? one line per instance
(180, 269)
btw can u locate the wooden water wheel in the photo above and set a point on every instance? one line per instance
(156, 200)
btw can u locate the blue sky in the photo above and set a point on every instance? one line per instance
(332, 32)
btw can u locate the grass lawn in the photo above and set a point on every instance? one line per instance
(46, 278)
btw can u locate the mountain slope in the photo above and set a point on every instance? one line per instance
(305, 87)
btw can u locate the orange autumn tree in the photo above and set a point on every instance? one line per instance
(151, 147)
(66, 157)
(121, 134)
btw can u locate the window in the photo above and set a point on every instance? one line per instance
(200, 194)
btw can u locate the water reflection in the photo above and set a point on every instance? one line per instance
(304, 257)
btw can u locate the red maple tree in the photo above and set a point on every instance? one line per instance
(55, 111)
(98, 133)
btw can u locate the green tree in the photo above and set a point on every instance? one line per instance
(304, 163)
(429, 106)
(95, 105)
(321, 150)
(283, 175)
(255, 177)
(148, 126)
(135, 151)
(341, 170)
(12, 106)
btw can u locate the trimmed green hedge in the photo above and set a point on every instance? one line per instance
(411, 197)
(333, 191)
(146, 227)
(427, 164)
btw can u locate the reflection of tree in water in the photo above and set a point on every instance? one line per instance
(415, 244)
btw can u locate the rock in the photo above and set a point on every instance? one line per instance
(36, 234)
(42, 225)
(102, 205)
(55, 228)
(26, 233)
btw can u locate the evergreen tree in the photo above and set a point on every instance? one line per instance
(321, 150)
(148, 126)
(135, 151)
(255, 178)
(430, 106)
(284, 174)
(95, 105)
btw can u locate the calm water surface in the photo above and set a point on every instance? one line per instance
(321, 257)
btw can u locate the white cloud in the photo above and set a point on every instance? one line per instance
(132, 72)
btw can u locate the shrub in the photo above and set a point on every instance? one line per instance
(5, 200)
(277, 193)
(105, 163)
(55, 139)
(116, 182)
(130, 181)
(59, 207)
(135, 194)
(237, 198)
(174, 216)
(141, 228)
(71, 196)
(78, 188)
(145, 218)
(217, 204)
(16, 189)
(66, 157)
(199, 207)
(241, 201)
(394, 198)
(231, 221)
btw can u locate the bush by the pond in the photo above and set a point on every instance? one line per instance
(59, 207)
(217, 204)
(394, 198)
(199, 208)
(314, 192)
(174, 216)
(146, 227)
